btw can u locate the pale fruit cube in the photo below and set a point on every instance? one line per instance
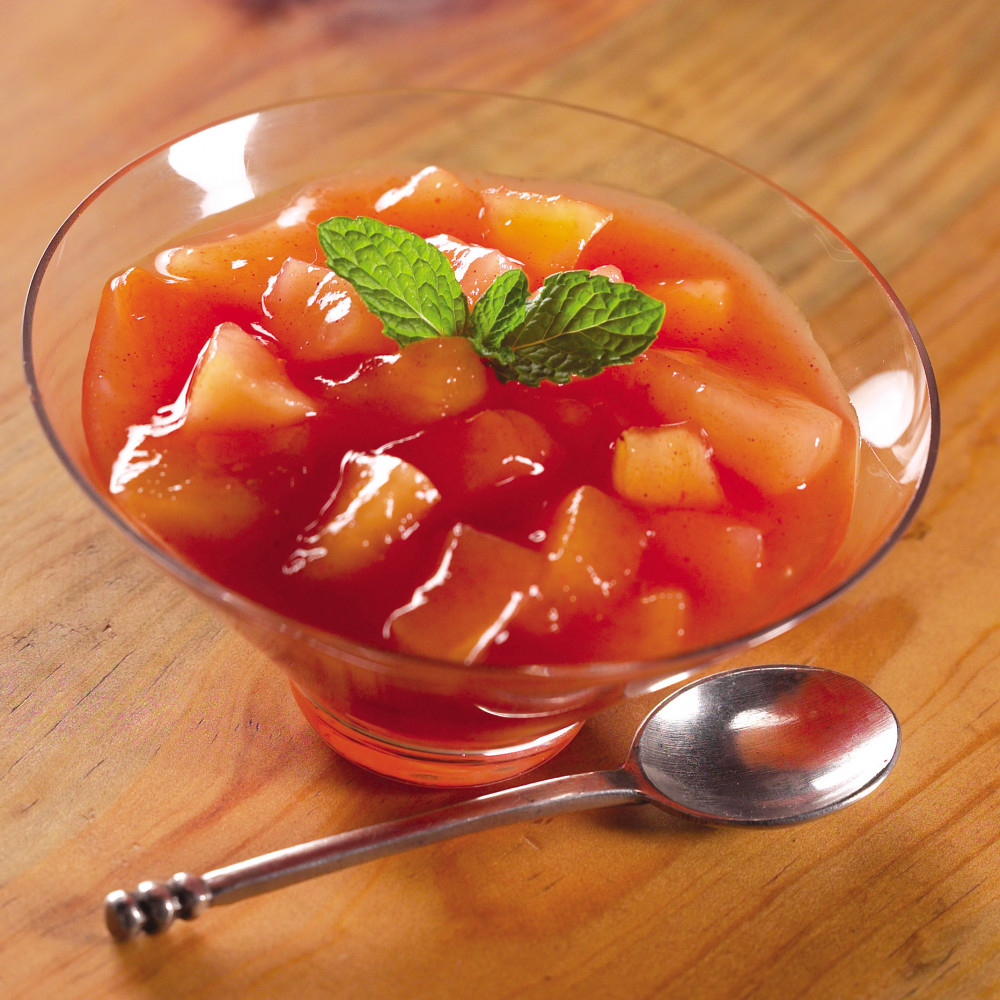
(187, 503)
(490, 449)
(547, 232)
(775, 439)
(234, 452)
(239, 385)
(665, 467)
(479, 586)
(475, 267)
(697, 309)
(432, 201)
(592, 548)
(315, 315)
(651, 625)
(426, 381)
(380, 500)
(499, 446)
(237, 269)
(716, 555)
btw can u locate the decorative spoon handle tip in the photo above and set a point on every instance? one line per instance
(154, 906)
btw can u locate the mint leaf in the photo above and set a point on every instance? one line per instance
(404, 280)
(578, 324)
(498, 312)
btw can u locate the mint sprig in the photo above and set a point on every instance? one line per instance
(577, 324)
(413, 291)
(498, 314)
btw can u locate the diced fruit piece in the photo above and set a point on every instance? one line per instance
(547, 232)
(380, 500)
(500, 446)
(495, 447)
(697, 312)
(717, 556)
(480, 584)
(146, 340)
(476, 267)
(426, 381)
(236, 270)
(593, 549)
(665, 467)
(239, 385)
(773, 438)
(651, 625)
(433, 201)
(315, 315)
(186, 503)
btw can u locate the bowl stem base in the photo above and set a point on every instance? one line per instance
(427, 765)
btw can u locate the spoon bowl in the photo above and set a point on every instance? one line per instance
(765, 745)
(759, 746)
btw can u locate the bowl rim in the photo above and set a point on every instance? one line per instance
(676, 666)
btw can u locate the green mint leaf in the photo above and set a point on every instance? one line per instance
(578, 324)
(404, 280)
(498, 312)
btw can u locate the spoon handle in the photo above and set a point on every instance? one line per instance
(152, 907)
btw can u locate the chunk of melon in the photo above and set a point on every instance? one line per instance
(716, 555)
(547, 232)
(184, 501)
(475, 267)
(147, 337)
(697, 310)
(237, 269)
(665, 467)
(650, 625)
(480, 583)
(239, 385)
(431, 201)
(316, 315)
(592, 551)
(500, 446)
(774, 438)
(379, 501)
(427, 381)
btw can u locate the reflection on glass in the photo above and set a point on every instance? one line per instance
(885, 404)
(215, 161)
(887, 408)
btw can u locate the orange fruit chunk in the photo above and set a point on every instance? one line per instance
(426, 381)
(239, 385)
(772, 437)
(480, 584)
(316, 315)
(547, 232)
(665, 467)
(379, 500)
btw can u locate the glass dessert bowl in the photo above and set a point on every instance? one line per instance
(400, 709)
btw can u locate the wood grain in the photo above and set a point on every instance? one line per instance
(138, 737)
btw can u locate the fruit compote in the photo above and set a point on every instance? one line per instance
(245, 407)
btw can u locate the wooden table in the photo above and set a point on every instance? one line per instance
(137, 736)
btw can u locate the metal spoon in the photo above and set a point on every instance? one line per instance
(758, 746)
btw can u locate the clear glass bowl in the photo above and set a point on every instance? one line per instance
(438, 722)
